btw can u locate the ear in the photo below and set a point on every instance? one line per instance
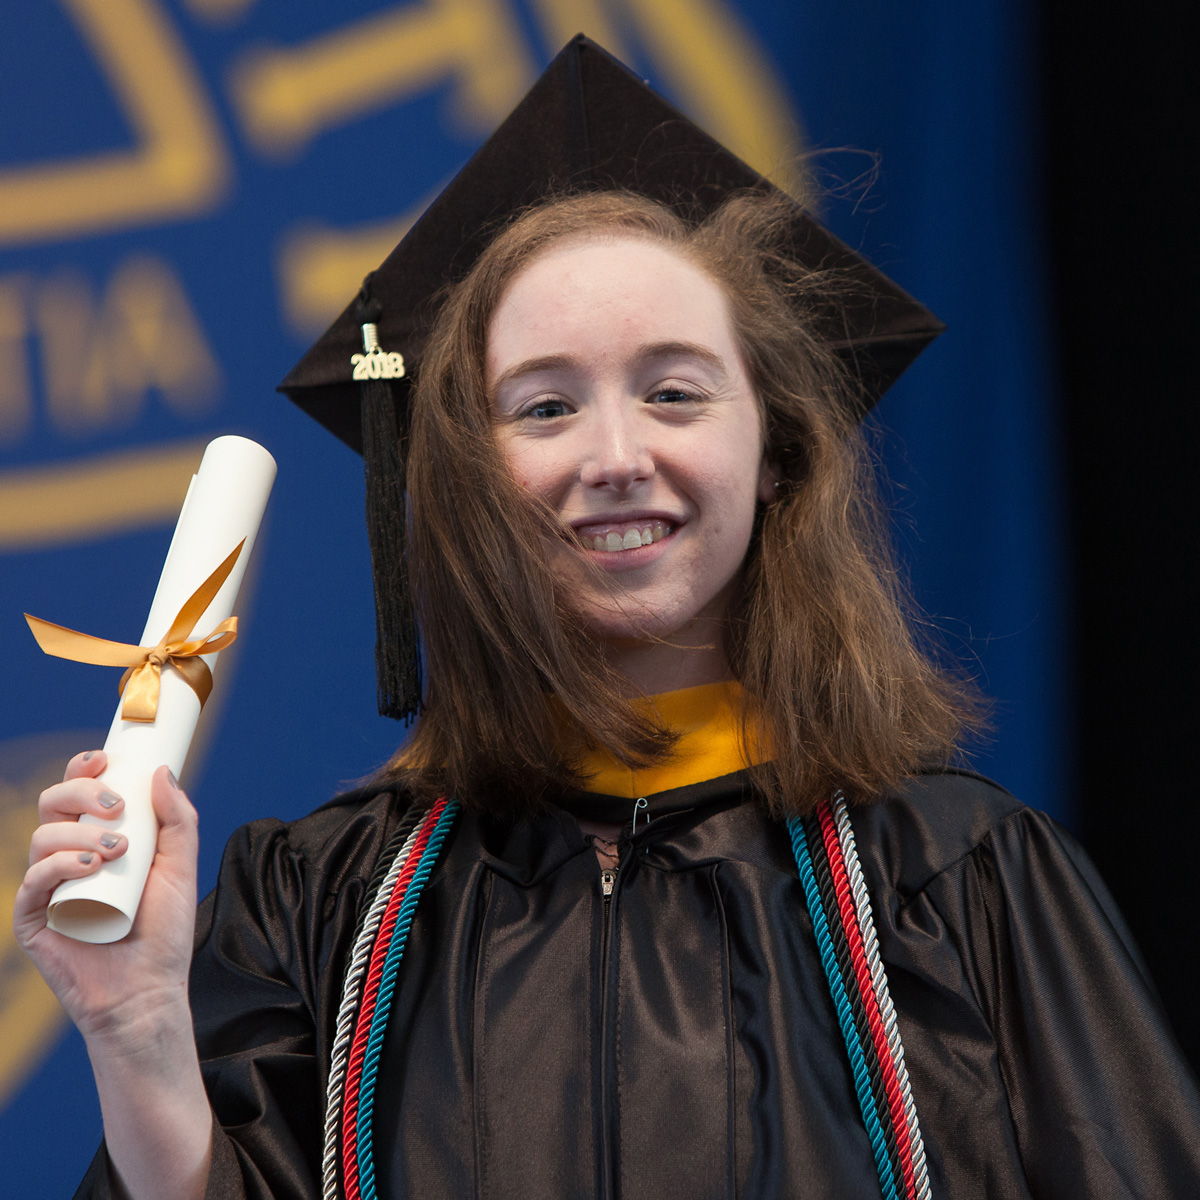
(769, 476)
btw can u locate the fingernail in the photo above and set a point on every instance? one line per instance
(89, 755)
(86, 858)
(174, 781)
(109, 840)
(108, 799)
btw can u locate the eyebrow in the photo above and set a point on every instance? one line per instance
(534, 366)
(660, 350)
(644, 355)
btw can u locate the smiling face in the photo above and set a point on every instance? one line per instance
(621, 400)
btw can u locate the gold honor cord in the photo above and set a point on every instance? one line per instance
(139, 685)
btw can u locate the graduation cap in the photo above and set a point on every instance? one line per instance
(588, 123)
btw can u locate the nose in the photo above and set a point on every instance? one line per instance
(617, 455)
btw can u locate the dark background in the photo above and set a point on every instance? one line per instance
(1120, 126)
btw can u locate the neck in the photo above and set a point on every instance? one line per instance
(652, 667)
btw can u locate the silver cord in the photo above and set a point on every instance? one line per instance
(339, 1057)
(866, 923)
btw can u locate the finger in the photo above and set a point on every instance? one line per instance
(89, 763)
(71, 835)
(66, 801)
(33, 896)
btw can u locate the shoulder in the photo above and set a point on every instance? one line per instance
(339, 842)
(288, 892)
(933, 823)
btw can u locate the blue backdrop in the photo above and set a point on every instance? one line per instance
(190, 189)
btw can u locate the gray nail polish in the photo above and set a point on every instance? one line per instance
(108, 799)
(109, 840)
(86, 858)
(89, 755)
(174, 781)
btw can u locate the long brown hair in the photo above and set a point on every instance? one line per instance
(837, 684)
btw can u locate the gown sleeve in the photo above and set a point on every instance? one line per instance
(1102, 1102)
(266, 976)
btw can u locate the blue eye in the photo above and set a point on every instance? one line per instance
(670, 395)
(545, 410)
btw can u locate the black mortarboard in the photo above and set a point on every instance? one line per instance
(587, 123)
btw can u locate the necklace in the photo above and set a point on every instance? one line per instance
(606, 850)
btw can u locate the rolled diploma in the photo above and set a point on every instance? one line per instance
(224, 504)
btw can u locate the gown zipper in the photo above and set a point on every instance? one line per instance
(608, 885)
(609, 879)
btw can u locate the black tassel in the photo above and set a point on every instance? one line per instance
(397, 660)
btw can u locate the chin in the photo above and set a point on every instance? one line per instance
(623, 630)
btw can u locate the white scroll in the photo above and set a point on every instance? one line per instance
(223, 506)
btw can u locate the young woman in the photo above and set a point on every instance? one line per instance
(655, 953)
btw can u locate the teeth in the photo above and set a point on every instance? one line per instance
(613, 542)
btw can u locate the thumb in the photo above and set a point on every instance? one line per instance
(177, 819)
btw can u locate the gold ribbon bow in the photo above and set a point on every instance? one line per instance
(139, 685)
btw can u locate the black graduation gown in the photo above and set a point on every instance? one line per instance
(680, 1041)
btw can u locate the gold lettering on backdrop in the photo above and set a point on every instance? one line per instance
(78, 397)
(179, 168)
(16, 397)
(100, 359)
(30, 1017)
(64, 503)
(286, 97)
(320, 267)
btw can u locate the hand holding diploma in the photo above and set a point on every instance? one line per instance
(129, 999)
(104, 987)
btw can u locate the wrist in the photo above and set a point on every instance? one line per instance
(149, 1027)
